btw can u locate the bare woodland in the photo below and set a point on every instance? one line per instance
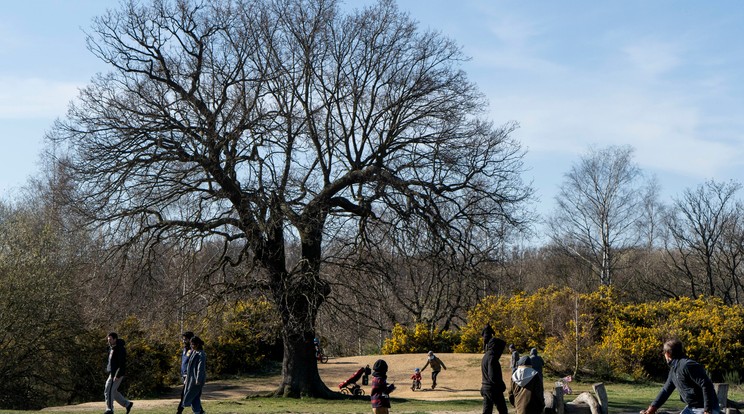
(341, 166)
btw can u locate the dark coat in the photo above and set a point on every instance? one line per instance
(117, 364)
(196, 375)
(491, 379)
(693, 384)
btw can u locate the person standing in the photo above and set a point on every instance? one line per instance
(487, 333)
(436, 366)
(492, 383)
(526, 390)
(116, 368)
(185, 354)
(196, 376)
(380, 393)
(690, 379)
(514, 357)
(537, 362)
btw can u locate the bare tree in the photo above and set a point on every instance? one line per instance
(274, 124)
(698, 224)
(599, 207)
(731, 258)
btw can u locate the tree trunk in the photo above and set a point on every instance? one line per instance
(300, 377)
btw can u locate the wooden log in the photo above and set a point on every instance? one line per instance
(584, 399)
(601, 393)
(578, 409)
(722, 393)
(550, 407)
(560, 407)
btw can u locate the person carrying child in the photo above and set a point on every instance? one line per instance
(380, 393)
(416, 377)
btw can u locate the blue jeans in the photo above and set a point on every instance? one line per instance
(689, 410)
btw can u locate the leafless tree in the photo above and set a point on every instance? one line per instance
(274, 124)
(731, 258)
(599, 207)
(698, 225)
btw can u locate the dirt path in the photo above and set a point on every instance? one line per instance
(461, 380)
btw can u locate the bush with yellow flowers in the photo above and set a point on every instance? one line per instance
(246, 335)
(421, 338)
(598, 335)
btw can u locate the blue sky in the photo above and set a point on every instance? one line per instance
(665, 77)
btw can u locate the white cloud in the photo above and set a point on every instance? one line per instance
(669, 132)
(652, 58)
(34, 97)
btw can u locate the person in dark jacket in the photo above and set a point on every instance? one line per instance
(196, 376)
(492, 382)
(537, 362)
(514, 357)
(185, 354)
(526, 390)
(116, 368)
(380, 393)
(690, 379)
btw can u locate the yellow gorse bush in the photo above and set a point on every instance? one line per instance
(419, 339)
(598, 334)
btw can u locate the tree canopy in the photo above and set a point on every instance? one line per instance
(274, 126)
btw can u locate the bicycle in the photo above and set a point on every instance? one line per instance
(321, 356)
(416, 385)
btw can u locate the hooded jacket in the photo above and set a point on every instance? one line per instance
(693, 384)
(380, 393)
(537, 361)
(526, 391)
(490, 367)
(117, 360)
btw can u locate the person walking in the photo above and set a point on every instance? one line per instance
(537, 362)
(492, 383)
(514, 357)
(436, 366)
(690, 379)
(116, 368)
(196, 375)
(526, 390)
(185, 354)
(380, 393)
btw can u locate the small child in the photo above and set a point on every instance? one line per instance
(380, 393)
(416, 377)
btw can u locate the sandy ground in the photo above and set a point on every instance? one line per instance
(461, 380)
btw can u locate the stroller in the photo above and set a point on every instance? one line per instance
(350, 386)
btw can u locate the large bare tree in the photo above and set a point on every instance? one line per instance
(599, 209)
(272, 125)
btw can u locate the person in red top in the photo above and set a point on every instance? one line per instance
(416, 377)
(380, 393)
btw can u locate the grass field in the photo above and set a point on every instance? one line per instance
(623, 398)
(457, 393)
